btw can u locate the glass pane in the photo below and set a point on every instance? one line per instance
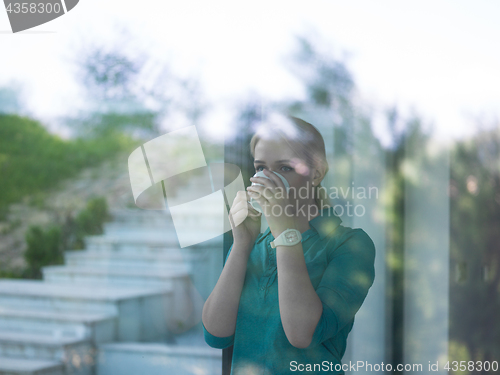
(119, 167)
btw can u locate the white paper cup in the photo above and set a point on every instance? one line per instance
(253, 202)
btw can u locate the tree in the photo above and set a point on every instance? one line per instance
(474, 241)
(129, 91)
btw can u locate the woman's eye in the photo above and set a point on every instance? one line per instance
(284, 168)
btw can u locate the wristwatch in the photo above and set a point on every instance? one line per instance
(288, 237)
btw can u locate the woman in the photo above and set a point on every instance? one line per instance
(286, 298)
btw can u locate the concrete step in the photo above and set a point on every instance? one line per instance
(134, 240)
(151, 239)
(105, 258)
(95, 327)
(138, 247)
(158, 359)
(205, 219)
(204, 265)
(124, 227)
(142, 313)
(113, 276)
(201, 236)
(76, 355)
(137, 216)
(23, 366)
(186, 301)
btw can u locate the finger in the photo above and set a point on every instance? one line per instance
(258, 189)
(240, 195)
(238, 215)
(261, 193)
(277, 181)
(242, 202)
(238, 206)
(241, 212)
(252, 210)
(246, 208)
(254, 217)
(263, 181)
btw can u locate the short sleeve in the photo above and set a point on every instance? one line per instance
(345, 284)
(217, 342)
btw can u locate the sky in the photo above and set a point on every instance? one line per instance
(438, 58)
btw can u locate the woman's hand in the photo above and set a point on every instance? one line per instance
(273, 198)
(244, 219)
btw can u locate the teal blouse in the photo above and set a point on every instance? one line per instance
(340, 262)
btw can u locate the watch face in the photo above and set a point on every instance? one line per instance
(291, 237)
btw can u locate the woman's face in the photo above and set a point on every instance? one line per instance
(277, 156)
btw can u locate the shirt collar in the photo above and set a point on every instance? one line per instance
(324, 224)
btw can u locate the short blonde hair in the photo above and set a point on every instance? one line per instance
(304, 139)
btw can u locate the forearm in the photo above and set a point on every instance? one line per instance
(300, 306)
(221, 307)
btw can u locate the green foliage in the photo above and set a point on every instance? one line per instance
(33, 160)
(12, 274)
(96, 125)
(474, 239)
(44, 248)
(90, 221)
(109, 74)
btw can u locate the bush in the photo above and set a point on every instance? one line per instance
(90, 221)
(12, 274)
(44, 248)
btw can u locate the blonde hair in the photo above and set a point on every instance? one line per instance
(304, 139)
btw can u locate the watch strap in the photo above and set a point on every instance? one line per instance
(289, 237)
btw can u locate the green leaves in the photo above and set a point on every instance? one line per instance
(33, 160)
(90, 221)
(44, 248)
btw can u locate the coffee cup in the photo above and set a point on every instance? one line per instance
(253, 202)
